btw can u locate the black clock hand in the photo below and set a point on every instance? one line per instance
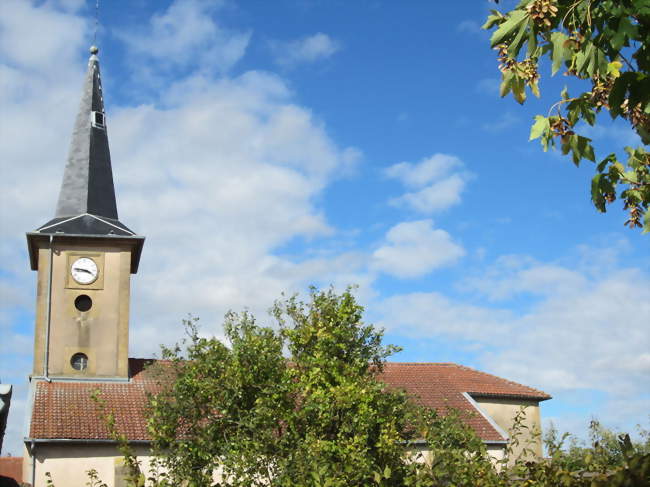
(82, 270)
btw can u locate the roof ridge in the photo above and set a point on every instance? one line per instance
(511, 382)
(150, 359)
(423, 363)
(446, 364)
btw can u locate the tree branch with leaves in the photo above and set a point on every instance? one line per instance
(603, 44)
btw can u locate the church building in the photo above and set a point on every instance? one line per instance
(84, 258)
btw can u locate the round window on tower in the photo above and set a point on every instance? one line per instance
(79, 361)
(83, 302)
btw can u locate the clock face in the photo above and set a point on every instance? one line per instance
(84, 270)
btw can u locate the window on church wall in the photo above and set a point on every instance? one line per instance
(79, 361)
(83, 302)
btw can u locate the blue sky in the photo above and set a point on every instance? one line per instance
(262, 147)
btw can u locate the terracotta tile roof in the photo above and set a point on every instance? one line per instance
(65, 410)
(441, 386)
(464, 378)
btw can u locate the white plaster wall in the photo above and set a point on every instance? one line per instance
(503, 412)
(68, 464)
(421, 454)
(496, 452)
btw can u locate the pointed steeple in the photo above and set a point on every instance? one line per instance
(87, 206)
(88, 179)
(87, 198)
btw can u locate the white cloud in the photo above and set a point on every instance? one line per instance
(61, 30)
(502, 123)
(431, 314)
(470, 26)
(436, 197)
(513, 274)
(438, 180)
(618, 131)
(231, 169)
(37, 82)
(305, 50)
(593, 338)
(426, 171)
(580, 330)
(414, 249)
(186, 35)
(488, 86)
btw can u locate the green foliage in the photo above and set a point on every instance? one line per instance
(604, 44)
(299, 404)
(457, 456)
(316, 417)
(93, 479)
(606, 449)
(609, 459)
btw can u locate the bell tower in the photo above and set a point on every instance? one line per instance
(84, 257)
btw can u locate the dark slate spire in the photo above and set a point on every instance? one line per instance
(87, 206)
(88, 179)
(87, 198)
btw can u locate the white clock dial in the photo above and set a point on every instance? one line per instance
(84, 270)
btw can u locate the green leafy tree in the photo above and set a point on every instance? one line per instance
(604, 45)
(317, 416)
(606, 449)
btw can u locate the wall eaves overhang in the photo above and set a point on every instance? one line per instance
(36, 239)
